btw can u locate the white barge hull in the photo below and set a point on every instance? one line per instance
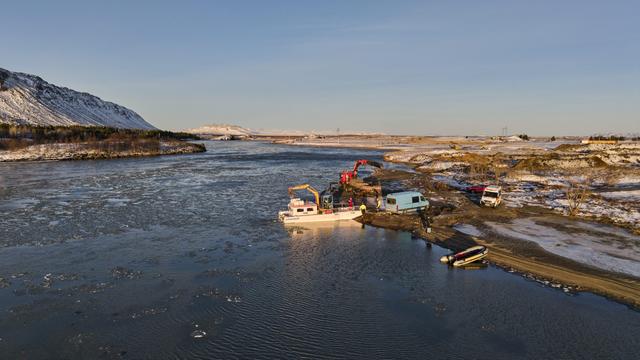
(286, 218)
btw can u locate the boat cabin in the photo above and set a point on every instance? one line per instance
(406, 202)
(300, 207)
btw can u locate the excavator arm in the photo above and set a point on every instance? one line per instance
(365, 162)
(307, 187)
(346, 176)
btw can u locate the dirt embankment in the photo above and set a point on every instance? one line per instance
(521, 256)
(450, 207)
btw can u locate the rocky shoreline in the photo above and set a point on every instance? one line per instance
(93, 151)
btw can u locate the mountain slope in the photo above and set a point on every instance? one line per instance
(28, 99)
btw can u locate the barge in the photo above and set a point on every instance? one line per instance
(300, 211)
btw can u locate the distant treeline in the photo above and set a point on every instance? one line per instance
(18, 136)
(612, 138)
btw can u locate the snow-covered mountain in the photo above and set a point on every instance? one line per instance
(27, 99)
(221, 129)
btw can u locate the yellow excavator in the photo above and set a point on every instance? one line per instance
(327, 199)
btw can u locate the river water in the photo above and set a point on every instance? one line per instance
(180, 257)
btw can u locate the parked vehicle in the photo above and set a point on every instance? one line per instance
(406, 202)
(475, 189)
(491, 196)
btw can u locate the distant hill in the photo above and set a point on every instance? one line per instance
(235, 130)
(220, 130)
(29, 100)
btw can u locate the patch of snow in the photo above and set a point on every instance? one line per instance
(419, 155)
(513, 138)
(531, 178)
(630, 195)
(468, 229)
(221, 129)
(602, 249)
(441, 165)
(628, 181)
(450, 180)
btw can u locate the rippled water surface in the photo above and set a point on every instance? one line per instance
(180, 257)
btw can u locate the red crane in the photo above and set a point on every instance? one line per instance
(346, 176)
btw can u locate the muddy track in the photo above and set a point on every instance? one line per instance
(522, 256)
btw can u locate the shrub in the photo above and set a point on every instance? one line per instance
(576, 193)
(67, 134)
(611, 137)
(13, 144)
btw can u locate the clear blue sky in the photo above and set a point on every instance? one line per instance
(406, 67)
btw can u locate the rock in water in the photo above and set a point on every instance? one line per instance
(198, 334)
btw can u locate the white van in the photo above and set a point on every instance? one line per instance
(406, 202)
(491, 196)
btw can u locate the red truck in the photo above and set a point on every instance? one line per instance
(475, 189)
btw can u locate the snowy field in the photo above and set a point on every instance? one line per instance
(539, 173)
(603, 247)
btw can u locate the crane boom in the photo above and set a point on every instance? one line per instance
(307, 187)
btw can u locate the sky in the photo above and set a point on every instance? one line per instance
(448, 67)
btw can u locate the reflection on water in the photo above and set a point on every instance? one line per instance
(181, 257)
(320, 230)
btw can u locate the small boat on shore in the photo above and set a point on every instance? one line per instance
(465, 257)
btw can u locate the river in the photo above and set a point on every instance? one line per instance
(180, 257)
